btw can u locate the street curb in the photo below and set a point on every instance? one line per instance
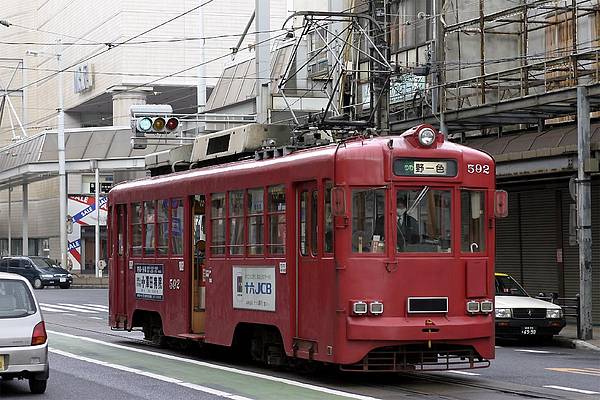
(575, 343)
(89, 287)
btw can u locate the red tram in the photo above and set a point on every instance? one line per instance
(376, 254)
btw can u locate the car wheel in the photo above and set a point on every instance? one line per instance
(65, 286)
(37, 386)
(38, 284)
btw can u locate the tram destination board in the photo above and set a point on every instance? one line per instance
(424, 167)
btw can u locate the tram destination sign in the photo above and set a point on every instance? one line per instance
(424, 167)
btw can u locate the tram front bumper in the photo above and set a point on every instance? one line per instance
(419, 328)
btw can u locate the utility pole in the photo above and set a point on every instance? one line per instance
(61, 164)
(584, 215)
(380, 74)
(263, 60)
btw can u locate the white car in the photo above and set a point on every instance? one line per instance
(519, 315)
(23, 338)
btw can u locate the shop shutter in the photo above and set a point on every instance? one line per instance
(508, 245)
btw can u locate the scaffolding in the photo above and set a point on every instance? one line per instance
(530, 56)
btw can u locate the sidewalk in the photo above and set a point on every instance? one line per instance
(568, 338)
(89, 282)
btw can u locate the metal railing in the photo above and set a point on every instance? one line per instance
(570, 306)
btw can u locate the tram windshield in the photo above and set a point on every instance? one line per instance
(423, 221)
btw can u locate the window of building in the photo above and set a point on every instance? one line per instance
(163, 227)
(276, 220)
(177, 224)
(136, 229)
(149, 227)
(255, 207)
(423, 220)
(472, 221)
(236, 222)
(368, 222)
(217, 223)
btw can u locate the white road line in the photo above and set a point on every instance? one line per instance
(100, 318)
(534, 351)
(49, 309)
(97, 305)
(80, 307)
(151, 375)
(86, 307)
(571, 389)
(69, 308)
(70, 315)
(223, 368)
(498, 347)
(463, 373)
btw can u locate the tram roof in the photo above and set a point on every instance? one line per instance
(309, 154)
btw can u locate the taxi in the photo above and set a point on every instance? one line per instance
(520, 315)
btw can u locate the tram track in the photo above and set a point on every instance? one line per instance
(374, 383)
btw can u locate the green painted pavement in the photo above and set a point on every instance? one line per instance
(232, 382)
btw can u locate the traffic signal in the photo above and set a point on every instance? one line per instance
(156, 124)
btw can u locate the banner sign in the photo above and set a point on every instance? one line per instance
(149, 281)
(254, 288)
(82, 212)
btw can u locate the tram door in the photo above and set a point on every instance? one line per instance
(121, 257)
(308, 303)
(199, 246)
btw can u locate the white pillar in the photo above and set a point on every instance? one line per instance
(10, 189)
(25, 219)
(62, 176)
(122, 101)
(97, 233)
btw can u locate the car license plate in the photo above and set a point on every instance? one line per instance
(528, 330)
(1, 363)
(62, 280)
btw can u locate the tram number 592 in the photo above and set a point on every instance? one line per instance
(478, 169)
(174, 284)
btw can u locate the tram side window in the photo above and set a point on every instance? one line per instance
(136, 229)
(163, 227)
(255, 207)
(303, 241)
(472, 221)
(328, 231)
(149, 223)
(313, 222)
(236, 222)
(276, 220)
(368, 227)
(177, 226)
(217, 223)
(423, 220)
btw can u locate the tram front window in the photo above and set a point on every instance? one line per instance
(423, 223)
(368, 228)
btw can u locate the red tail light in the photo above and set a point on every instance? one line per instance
(39, 334)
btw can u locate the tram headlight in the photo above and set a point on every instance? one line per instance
(359, 308)
(486, 306)
(554, 313)
(503, 313)
(376, 307)
(426, 137)
(473, 306)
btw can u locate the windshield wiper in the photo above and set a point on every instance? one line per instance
(420, 197)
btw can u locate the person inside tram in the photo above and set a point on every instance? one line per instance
(407, 226)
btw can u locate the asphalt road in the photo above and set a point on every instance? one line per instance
(90, 361)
